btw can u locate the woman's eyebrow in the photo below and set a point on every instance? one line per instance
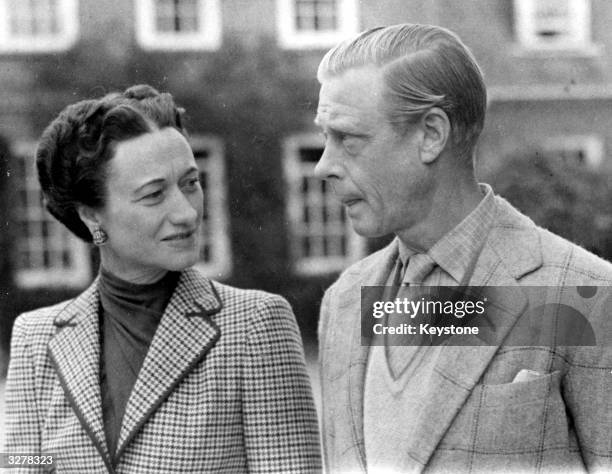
(148, 183)
(192, 169)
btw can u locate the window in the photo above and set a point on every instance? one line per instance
(47, 253)
(586, 149)
(315, 23)
(553, 24)
(178, 24)
(322, 239)
(37, 25)
(215, 254)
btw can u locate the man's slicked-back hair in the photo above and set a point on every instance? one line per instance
(424, 66)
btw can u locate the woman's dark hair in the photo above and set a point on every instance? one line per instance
(74, 150)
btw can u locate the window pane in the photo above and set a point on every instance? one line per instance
(23, 259)
(321, 239)
(66, 259)
(310, 155)
(187, 14)
(178, 16)
(215, 255)
(316, 15)
(33, 17)
(326, 18)
(205, 253)
(205, 231)
(46, 249)
(164, 15)
(322, 219)
(552, 19)
(553, 24)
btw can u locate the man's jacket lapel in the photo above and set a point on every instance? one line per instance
(351, 355)
(184, 336)
(459, 368)
(75, 354)
(512, 251)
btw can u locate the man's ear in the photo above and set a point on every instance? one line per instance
(436, 131)
(89, 216)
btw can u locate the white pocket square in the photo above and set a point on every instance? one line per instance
(524, 375)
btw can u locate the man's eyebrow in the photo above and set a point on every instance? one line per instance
(192, 169)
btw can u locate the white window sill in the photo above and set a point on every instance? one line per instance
(314, 266)
(176, 45)
(302, 41)
(590, 50)
(37, 46)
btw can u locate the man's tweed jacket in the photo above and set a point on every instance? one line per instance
(469, 416)
(223, 387)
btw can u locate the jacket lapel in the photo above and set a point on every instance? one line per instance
(512, 250)
(184, 336)
(459, 368)
(354, 361)
(75, 354)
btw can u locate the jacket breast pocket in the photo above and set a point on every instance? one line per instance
(520, 416)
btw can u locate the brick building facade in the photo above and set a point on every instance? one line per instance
(245, 72)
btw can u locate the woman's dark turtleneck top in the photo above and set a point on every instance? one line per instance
(129, 316)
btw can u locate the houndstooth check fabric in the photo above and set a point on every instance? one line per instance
(223, 388)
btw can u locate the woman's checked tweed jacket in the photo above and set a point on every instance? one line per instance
(223, 387)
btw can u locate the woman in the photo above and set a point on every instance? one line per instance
(153, 368)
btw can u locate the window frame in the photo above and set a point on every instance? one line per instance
(592, 145)
(209, 38)
(76, 276)
(294, 172)
(68, 16)
(290, 38)
(581, 27)
(220, 266)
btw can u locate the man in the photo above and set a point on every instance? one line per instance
(401, 108)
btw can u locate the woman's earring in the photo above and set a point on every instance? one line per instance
(99, 236)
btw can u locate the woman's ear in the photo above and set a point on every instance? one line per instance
(436, 131)
(90, 217)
